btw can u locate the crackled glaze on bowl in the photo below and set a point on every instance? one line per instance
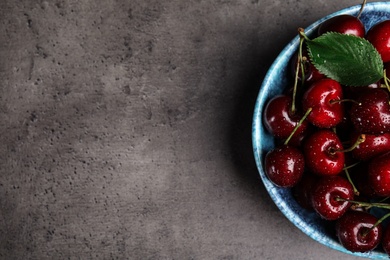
(274, 83)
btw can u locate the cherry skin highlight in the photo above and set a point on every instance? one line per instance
(379, 36)
(374, 145)
(280, 121)
(322, 97)
(322, 156)
(284, 166)
(356, 232)
(326, 194)
(370, 114)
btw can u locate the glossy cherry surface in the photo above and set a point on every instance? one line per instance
(326, 193)
(379, 36)
(280, 121)
(322, 97)
(322, 156)
(345, 24)
(372, 146)
(370, 114)
(356, 232)
(284, 165)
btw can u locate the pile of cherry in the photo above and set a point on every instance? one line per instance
(333, 144)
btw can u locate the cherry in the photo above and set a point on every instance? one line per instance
(357, 232)
(323, 97)
(280, 121)
(322, 151)
(379, 36)
(284, 165)
(379, 174)
(326, 196)
(370, 113)
(345, 24)
(373, 145)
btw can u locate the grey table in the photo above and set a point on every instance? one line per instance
(126, 129)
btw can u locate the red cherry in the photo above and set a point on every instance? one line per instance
(284, 166)
(356, 232)
(280, 122)
(371, 112)
(322, 153)
(379, 36)
(379, 174)
(345, 24)
(326, 196)
(373, 145)
(322, 97)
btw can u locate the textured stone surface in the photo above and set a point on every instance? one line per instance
(125, 129)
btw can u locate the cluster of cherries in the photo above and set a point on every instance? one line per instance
(333, 146)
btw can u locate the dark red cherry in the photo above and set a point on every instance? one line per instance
(284, 166)
(370, 114)
(379, 174)
(280, 121)
(345, 24)
(379, 36)
(356, 232)
(322, 151)
(373, 145)
(327, 194)
(323, 96)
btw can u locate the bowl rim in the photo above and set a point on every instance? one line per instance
(257, 130)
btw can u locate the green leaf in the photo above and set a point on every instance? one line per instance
(348, 59)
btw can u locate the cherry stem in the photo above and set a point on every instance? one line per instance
(299, 65)
(360, 140)
(302, 34)
(384, 199)
(361, 9)
(376, 224)
(386, 80)
(298, 125)
(355, 190)
(350, 166)
(366, 204)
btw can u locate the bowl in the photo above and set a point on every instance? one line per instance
(275, 81)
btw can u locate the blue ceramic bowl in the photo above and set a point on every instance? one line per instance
(274, 83)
